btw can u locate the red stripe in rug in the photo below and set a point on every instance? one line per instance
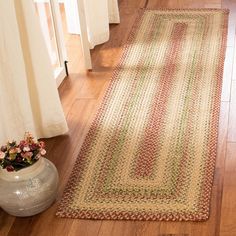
(144, 165)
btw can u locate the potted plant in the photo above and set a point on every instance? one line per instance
(28, 181)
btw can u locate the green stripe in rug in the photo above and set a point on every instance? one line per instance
(150, 151)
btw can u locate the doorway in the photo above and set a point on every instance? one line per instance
(60, 20)
(49, 15)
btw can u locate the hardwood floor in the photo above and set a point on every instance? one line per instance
(81, 95)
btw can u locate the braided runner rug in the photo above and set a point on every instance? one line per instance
(150, 152)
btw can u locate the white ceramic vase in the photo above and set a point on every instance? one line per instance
(30, 190)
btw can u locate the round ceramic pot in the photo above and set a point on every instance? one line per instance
(30, 190)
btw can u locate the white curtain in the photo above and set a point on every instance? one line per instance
(98, 16)
(29, 99)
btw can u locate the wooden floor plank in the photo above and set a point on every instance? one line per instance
(232, 114)
(228, 70)
(228, 215)
(176, 4)
(213, 5)
(234, 67)
(6, 222)
(231, 5)
(222, 135)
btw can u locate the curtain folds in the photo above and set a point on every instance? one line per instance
(29, 98)
(98, 16)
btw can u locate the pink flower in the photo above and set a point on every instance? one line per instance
(26, 149)
(43, 152)
(22, 144)
(2, 155)
(42, 144)
(34, 146)
(16, 156)
(27, 155)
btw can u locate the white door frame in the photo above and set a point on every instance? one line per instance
(84, 34)
(59, 73)
(76, 24)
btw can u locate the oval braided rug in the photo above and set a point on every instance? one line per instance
(150, 152)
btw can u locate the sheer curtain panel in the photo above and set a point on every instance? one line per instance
(98, 16)
(29, 98)
(91, 19)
